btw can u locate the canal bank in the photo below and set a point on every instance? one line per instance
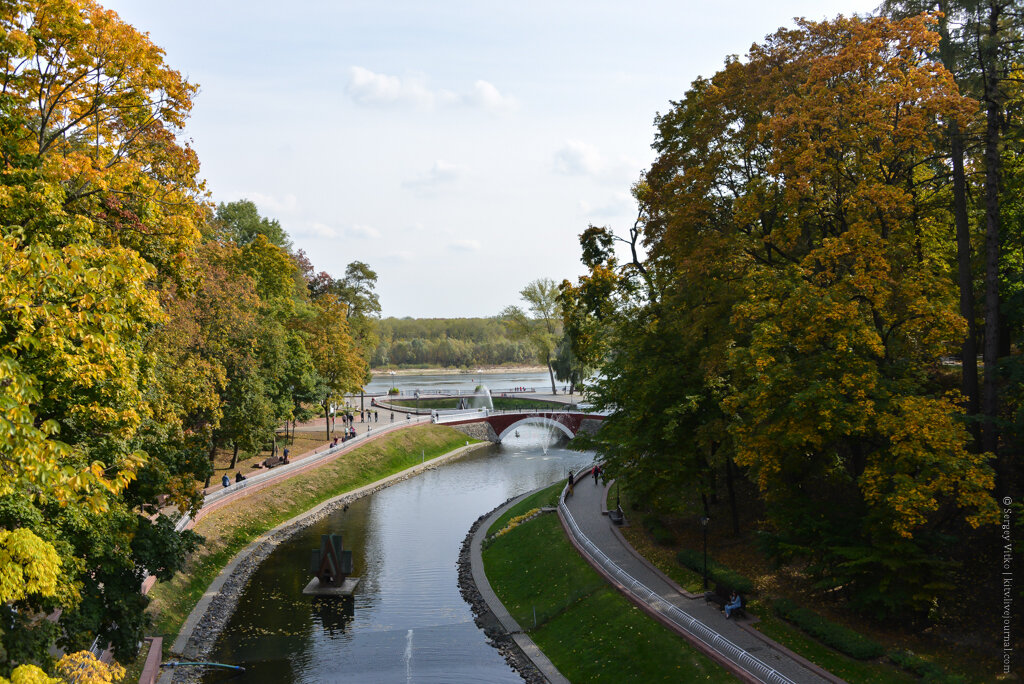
(206, 621)
(518, 649)
(407, 620)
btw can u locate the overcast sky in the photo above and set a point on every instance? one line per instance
(456, 147)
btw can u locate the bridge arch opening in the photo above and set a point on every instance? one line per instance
(543, 421)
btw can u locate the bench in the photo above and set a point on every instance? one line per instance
(616, 515)
(272, 461)
(720, 597)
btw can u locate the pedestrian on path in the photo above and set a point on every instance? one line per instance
(570, 485)
(597, 471)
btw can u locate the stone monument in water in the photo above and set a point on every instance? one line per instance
(331, 566)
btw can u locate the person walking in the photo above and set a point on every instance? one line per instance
(570, 485)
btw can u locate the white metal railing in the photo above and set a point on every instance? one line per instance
(455, 415)
(729, 650)
(277, 471)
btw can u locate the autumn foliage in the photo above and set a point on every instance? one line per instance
(140, 331)
(800, 251)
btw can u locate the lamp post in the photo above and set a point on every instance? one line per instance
(704, 520)
(417, 393)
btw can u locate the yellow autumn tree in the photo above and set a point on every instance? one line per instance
(99, 207)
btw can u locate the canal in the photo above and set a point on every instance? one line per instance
(407, 621)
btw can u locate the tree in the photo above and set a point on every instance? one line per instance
(339, 363)
(91, 108)
(981, 46)
(241, 223)
(541, 325)
(797, 228)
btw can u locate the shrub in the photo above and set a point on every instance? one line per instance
(719, 573)
(925, 669)
(661, 534)
(835, 636)
(393, 391)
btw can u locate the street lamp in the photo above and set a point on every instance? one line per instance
(704, 520)
(417, 393)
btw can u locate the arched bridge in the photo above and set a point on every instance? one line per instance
(496, 425)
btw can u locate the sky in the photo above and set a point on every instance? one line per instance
(457, 147)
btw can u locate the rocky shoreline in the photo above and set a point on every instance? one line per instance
(496, 634)
(204, 635)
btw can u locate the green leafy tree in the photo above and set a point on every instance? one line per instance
(540, 323)
(241, 223)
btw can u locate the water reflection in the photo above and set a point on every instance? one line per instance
(407, 621)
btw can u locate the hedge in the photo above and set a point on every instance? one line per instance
(720, 574)
(661, 534)
(836, 636)
(925, 669)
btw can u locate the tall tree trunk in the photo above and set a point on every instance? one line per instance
(964, 253)
(234, 457)
(993, 130)
(729, 484)
(551, 373)
(969, 350)
(213, 456)
(327, 419)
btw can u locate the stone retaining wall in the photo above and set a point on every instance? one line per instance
(482, 431)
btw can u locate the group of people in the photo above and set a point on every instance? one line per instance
(226, 481)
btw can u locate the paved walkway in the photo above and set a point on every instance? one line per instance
(739, 647)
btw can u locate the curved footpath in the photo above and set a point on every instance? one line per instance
(201, 628)
(737, 646)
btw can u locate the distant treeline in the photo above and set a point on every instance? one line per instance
(454, 342)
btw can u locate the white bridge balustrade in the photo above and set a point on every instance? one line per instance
(740, 657)
(295, 464)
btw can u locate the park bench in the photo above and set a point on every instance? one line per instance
(616, 515)
(272, 461)
(720, 596)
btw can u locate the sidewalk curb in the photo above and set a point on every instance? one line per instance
(525, 643)
(747, 627)
(185, 634)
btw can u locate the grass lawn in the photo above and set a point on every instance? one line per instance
(589, 630)
(545, 497)
(230, 529)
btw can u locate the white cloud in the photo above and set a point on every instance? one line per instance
(464, 245)
(315, 229)
(272, 204)
(486, 96)
(441, 173)
(369, 88)
(363, 231)
(576, 158)
(322, 230)
(400, 256)
(613, 205)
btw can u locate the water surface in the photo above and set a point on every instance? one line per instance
(407, 621)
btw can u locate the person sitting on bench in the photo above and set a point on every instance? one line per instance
(734, 602)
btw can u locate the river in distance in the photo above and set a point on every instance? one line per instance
(539, 381)
(407, 621)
